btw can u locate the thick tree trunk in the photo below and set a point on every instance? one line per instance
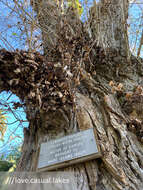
(66, 96)
(119, 135)
(120, 166)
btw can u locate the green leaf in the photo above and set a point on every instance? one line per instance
(14, 34)
(76, 5)
(3, 126)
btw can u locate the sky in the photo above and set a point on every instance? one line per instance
(10, 30)
(14, 134)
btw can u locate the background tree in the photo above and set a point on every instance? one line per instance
(87, 78)
(8, 163)
(3, 125)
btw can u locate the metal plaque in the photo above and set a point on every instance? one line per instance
(68, 150)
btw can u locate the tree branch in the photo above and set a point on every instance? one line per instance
(140, 45)
(109, 24)
(18, 71)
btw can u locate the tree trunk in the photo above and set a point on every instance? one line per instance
(109, 24)
(121, 164)
(48, 15)
(82, 89)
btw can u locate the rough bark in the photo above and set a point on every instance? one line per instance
(51, 17)
(48, 15)
(109, 21)
(82, 88)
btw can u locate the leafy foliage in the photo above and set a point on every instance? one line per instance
(3, 125)
(9, 163)
(13, 158)
(76, 5)
(5, 166)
